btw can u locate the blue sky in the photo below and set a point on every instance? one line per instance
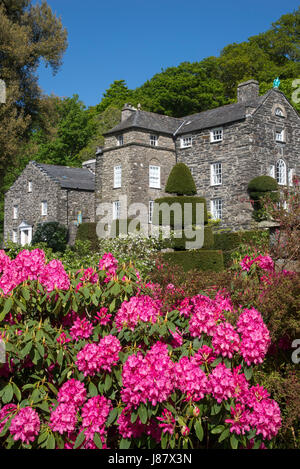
(134, 39)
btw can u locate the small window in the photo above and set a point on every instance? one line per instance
(279, 135)
(217, 209)
(216, 135)
(15, 236)
(15, 212)
(185, 142)
(272, 171)
(216, 174)
(120, 140)
(116, 210)
(279, 112)
(151, 205)
(281, 172)
(291, 176)
(44, 209)
(154, 177)
(29, 186)
(153, 140)
(117, 176)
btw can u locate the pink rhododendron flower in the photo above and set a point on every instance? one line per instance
(240, 421)
(53, 275)
(225, 340)
(94, 414)
(63, 339)
(25, 426)
(5, 414)
(207, 313)
(190, 379)
(96, 357)
(265, 418)
(204, 355)
(127, 429)
(109, 264)
(138, 308)
(102, 317)
(222, 383)
(73, 392)
(265, 263)
(246, 263)
(81, 329)
(168, 422)
(64, 418)
(255, 336)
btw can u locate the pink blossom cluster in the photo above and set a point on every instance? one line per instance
(64, 418)
(138, 308)
(168, 422)
(25, 426)
(102, 316)
(264, 262)
(53, 275)
(206, 315)
(72, 392)
(81, 329)
(96, 357)
(4, 260)
(94, 414)
(190, 379)
(63, 339)
(148, 378)
(109, 264)
(26, 266)
(222, 383)
(225, 340)
(255, 337)
(204, 355)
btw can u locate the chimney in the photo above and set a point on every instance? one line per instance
(127, 111)
(248, 91)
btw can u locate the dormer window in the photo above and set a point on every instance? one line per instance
(120, 140)
(185, 142)
(279, 135)
(153, 140)
(216, 135)
(279, 112)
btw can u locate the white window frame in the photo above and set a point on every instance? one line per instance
(14, 236)
(44, 208)
(186, 142)
(279, 112)
(272, 171)
(216, 135)
(216, 209)
(216, 174)
(120, 140)
(290, 176)
(153, 140)
(280, 135)
(116, 210)
(280, 172)
(154, 176)
(15, 212)
(117, 176)
(150, 212)
(29, 186)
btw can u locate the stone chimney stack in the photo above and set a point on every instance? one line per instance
(248, 91)
(127, 111)
(90, 164)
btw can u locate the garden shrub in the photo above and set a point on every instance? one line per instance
(210, 260)
(259, 189)
(157, 214)
(95, 361)
(228, 242)
(180, 181)
(87, 232)
(53, 234)
(180, 243)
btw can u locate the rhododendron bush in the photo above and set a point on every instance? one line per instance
(98, 359)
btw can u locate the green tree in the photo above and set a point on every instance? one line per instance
(117, 95)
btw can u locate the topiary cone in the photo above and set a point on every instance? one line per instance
(180, 181)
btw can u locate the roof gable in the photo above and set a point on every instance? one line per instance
(68, 177)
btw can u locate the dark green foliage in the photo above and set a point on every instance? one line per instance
(53, 234)
(259, 186)
(179, 243)
(87, 232)
(229, 242)
(180, 181)
(157, 215)
(196, 260)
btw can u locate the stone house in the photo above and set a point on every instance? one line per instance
(224, 147)
(44, 193)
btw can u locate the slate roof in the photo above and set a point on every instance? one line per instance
(171, 125)
(68, 177)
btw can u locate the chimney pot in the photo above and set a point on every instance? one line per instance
(248, 91)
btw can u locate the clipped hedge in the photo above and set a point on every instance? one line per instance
(87, 232)
(204, 260)
(180, 181)
(180, 243)
(120, 225)
(228, 242)
(157, 214)
(262, 186)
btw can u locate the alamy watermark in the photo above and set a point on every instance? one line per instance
(296, 93)
(2, 352)
(296, 353)
(186, 219)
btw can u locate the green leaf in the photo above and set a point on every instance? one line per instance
(143, 414)
(164, 440)
(17, 392)
(225, 434)
(26, 350)
(217, 429)
(199, 430)
(248, 372)
(134, 416)
(93, 389)
(108, 382)
(97, 441)
(79, 440)
(26, 293)
(50, 442)
(8, 394)
(125, 443)
(233, 441)
(112, 416)
(7, 307)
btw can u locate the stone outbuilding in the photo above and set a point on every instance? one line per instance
(44, 193)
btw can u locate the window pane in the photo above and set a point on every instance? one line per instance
(216, 174)
(154, 176)
(117, 176)
(216, 209)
